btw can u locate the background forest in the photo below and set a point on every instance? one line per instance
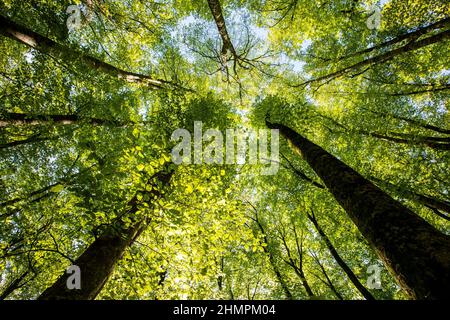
(86, 116)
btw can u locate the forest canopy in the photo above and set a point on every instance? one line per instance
(347, 101)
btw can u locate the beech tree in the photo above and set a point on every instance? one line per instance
(92, 93)
(398, 235)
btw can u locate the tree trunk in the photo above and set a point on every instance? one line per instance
(366, 294)
(415, 252)
(96, 264)
(406, 36)
(29, 197)
(437, 143)
(411, 93)
(419, 123)
(328, 281)
(32, 139)
(14, 285)
(98, 261)
(45, 45)
(297, 267)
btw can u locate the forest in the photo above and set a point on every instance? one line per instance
(120, 179)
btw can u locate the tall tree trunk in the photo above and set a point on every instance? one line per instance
(272, 262)
(216, 11)
(436, 205)
(406, 36)
(427, 201)
(31, 194)
(415, 122)
(45, 45)
(415, 252)
(300, 173)
(381, 58)
(98, 261)
(411, 93)
(62, 181)
(14, 285)
(353, 278)
(437, 143)
(32, 139)
(328, 281)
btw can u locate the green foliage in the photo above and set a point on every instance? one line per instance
(73, 179)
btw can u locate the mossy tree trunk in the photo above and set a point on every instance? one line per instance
(97, 262)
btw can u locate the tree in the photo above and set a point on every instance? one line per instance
(271, 257)
(52, 48)
(98, 260)
(398, 235)
(365, 293)
(297, 264)
(87, 115)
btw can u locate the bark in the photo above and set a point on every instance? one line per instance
(18, 119)
(437, 212)
(96, 264)
(436, 143)
(353, 278)
(98, 261)
(301, 273)
(421, 138)
(14, 285)
(436, 205)
(415, 252)
(301, 174)
(47, 46)
(31, 194)
(383, 57)
(220, 277)
(42, 193)
(411, 93)
(415, 122)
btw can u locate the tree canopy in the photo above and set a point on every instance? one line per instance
(89, 104)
